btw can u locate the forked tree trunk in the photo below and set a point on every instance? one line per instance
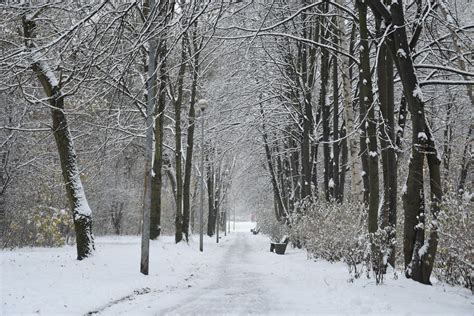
(419, 254)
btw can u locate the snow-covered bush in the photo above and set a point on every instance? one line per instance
(331, 231)
(455, 259)
(268, 225)
(338, 232)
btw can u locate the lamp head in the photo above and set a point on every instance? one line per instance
(203, 103)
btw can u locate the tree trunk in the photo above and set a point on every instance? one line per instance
(325, 110)
(366, 100)
(282, 212)
(81, 212)
(335, 133)
(352, 139)
(188, 167)
(448, 136)
(419, 254)
(211, 219)
(307, 73)
(178, 153)
(157, 179)
(387, 141)
(466, 160)
(344, 154)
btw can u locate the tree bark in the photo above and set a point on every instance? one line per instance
(325, 111)
(307, 72)
(466, 160)
(188, 167)
(352, 139)
(335, 133)
(157, 179)
(366, 99)
(419, 254)
(178, 144)
(81, 212)
(344, 154)
(385, 85)
(211, 219)
(282, 212)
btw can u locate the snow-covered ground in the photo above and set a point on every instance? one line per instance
(237, 276)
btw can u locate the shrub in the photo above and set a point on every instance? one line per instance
(454, 261)
(333, 232)
(44, 227)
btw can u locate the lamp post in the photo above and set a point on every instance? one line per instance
(226, 174)
(202, 103)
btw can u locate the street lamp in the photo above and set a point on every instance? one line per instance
(202, 104)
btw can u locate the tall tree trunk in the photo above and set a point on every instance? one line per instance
(81, 212)
(178, 146)
(419, 255)
(282, 212)
(157, 179)
(211, 219)
(188, 167)
(344, 154)
(335, 133)
(466, 160)
(402, 119)
(366, 99)
(307, 73)
(448, 136)
(165, 12)
(352, 139)
(325, 111)
(387, 141)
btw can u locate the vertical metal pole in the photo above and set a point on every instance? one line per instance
(225, 222)
(234, 218)
(217, 226)
(150, 109)
(201, 213)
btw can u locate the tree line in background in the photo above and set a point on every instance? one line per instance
(351, 109)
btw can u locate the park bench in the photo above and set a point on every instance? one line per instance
(255, 231)
(280, 247)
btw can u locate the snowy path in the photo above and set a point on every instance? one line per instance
(249, 279)
(237, 288)
(237, 276)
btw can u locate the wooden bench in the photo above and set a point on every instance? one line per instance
(280, 247)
